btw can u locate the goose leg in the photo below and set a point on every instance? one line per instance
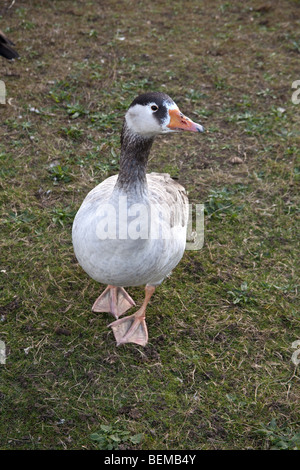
(114, 300)
(133, 329)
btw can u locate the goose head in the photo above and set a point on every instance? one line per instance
(155, 113)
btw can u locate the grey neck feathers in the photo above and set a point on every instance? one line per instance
(135, 150)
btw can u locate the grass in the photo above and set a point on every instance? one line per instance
(217, 372)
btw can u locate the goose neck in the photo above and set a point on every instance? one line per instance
(135, 151)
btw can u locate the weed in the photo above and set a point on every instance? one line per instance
(72, 132)
(21, 218)
(220, 204)
(111, 166)
(296, 46)
(61, 91)
(196, 95)
(63, 216)
(103, 121)
(241, 295)
(220, 83)
(260, 123)
(110, 437)
(279, 439)
(59, 174)
(76, 110)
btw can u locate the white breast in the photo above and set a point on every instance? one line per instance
(127, 242)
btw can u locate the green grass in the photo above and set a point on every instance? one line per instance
(217, 372)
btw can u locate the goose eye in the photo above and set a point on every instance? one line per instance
(154, 107)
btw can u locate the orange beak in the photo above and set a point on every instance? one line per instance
(180, 122)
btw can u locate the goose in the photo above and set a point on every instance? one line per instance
(5, 47)
(131, 229)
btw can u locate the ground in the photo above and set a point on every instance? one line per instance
(217, 372)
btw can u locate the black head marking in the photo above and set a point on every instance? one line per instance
(154, 97)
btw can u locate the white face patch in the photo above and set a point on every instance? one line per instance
(141, 119)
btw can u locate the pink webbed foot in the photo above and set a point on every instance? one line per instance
(133, 329)
(114, 300)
